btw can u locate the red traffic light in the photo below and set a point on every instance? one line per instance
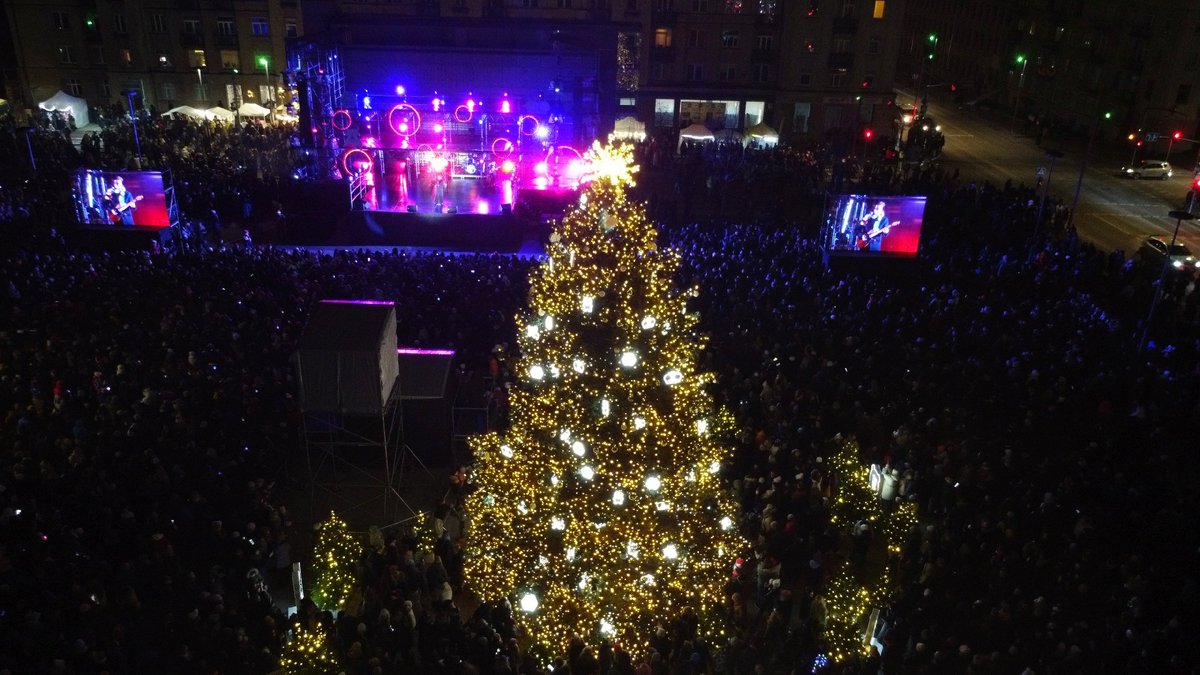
(1177, 135)
(1196, 184)
(867, 134)
(954, 87)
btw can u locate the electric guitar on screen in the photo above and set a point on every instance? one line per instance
(114, 214)
(864, 239)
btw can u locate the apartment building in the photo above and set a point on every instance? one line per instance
(174, 52)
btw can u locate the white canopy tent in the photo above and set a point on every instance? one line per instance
(762, 133)
(64, 102)
(219, 113)
(253, 110)
(189, 111)
(695, 132)
(629, 129)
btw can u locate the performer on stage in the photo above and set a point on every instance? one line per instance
(121, 203)
(873, 228)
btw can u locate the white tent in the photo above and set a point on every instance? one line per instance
(629, 129)
(219, 113)
(762, 133)
(695, 132)
(253, 110)
(189, 111)
(64, 102)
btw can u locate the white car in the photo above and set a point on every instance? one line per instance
(1154, 250)
(1148, 169)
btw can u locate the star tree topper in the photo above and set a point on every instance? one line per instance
(613, 163)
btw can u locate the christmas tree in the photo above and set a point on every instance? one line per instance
(601, 512)
(335, 560)
(309, 653)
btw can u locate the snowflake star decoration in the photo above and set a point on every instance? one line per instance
(613, 163)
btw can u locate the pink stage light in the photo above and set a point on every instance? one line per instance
(399, 90)
(439, 163)
(401, 126)
(404, 126)
(502, 147)
(471, 104)
(370, 143)
(482, 207)
(541, 167)
(505, 107)
(438, 128)
(507, 166)
(574, 167)
(360, 158)
(506, 192)
(541, 182)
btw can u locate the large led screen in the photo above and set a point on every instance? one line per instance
(121, 198)
(875, 225)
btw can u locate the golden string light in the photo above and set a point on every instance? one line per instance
(603, 514)
(848, 599)
(308, 653)
(335, 558)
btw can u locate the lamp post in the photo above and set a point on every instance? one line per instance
(1083, 164)
(137, 143)
(1179, 217)
(265, 62)
(1017, 99)
(1051, 155)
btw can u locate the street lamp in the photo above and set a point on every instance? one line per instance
(1051, 155)
(1179, 217)
(137, 143)
(1083, 164)
(1017, 100)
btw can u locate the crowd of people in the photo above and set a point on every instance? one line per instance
(150, 431)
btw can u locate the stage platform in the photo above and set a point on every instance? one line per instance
(124, 238)
(467, 232)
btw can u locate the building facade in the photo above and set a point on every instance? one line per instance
(1066, 63)
(803, 67)
(202, 53)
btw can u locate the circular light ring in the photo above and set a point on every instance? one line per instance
(349, 153)
(424, 147)
(505, 149)
(416, 116)
(463, 109)
(524, 122)
(343, 113)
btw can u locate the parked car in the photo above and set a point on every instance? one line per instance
(1154, 250)
(1148, 169)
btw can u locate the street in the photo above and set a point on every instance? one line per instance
(1113, 212)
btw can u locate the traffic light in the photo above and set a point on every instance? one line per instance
(933, 37)
(1196, 184)
(1108, 114)
(868, 134)
(953, 87)
(1177, 135)
(1020, 59)
(1132, 137)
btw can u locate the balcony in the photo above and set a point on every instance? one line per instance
(845, 24)
(662, 53)
(762, 56)
(227, 40)
(841, 61)
(191, 39)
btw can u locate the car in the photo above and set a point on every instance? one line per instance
(1148, 169)
(1154, 250)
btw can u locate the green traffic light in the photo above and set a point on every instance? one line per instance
(1108, 116)
(1020, 58)
(933, 37)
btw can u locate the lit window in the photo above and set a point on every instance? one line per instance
(729, 39)
(259, 26)
(662, 37)
(879, 7)
(197, 58)
(127, 57)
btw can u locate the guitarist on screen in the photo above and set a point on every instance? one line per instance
(121, 203)
(873, 228)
